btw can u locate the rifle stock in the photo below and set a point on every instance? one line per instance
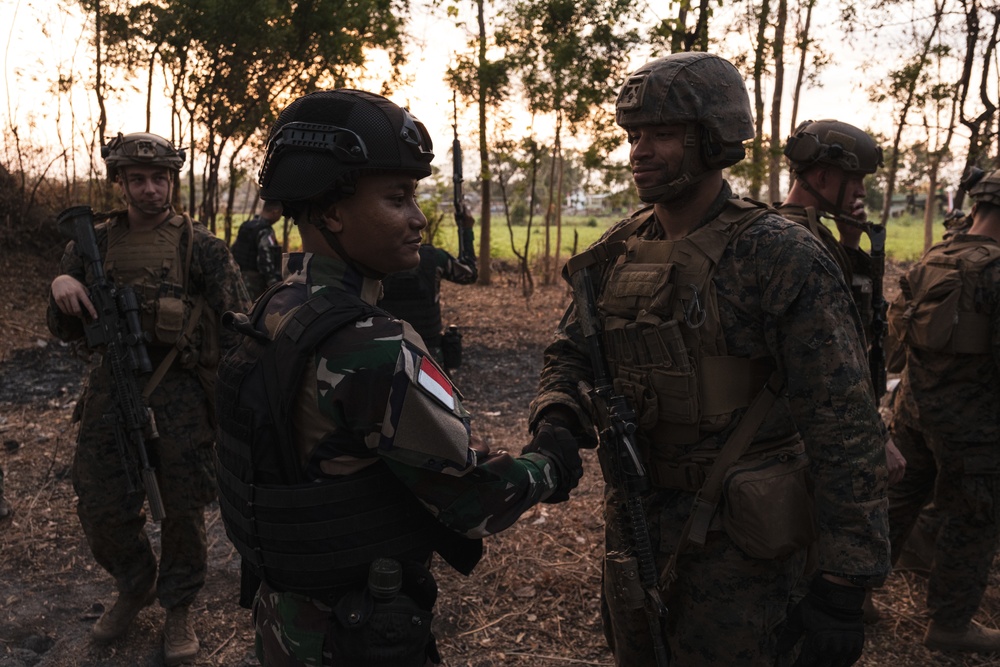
(118, 329)
(623, 467)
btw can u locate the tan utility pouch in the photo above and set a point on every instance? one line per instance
(768, 506)
(169, 322)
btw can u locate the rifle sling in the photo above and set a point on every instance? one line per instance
(182, 340)
(707, 499)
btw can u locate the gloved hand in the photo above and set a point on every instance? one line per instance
(830, 617)
(558, 445)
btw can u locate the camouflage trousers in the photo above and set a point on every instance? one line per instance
(720, 593)
(963, 479)
(112, 516)
(298, 631)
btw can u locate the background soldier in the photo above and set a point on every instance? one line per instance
(947, 317)
(415, 295)
(710, 304)
(378, 468)
(256, 250)
(185, 278)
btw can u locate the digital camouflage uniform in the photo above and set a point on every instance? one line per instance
(258, 255)
(112, 518)
(415, 295)
(947, 424)
(367, 402)
(782, 301)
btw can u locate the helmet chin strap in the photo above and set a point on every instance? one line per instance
(131, 201)
(827, 205)
(338, 247)
(691, 172)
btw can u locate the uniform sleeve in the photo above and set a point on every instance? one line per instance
(990, 289)
(268, 258)
(819, 343)
(453, 269)
(62, 326)
(392, 401)
(220, 281)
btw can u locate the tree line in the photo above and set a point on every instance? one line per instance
(227, 67)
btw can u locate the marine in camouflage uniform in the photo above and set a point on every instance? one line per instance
(257, 252)
(947, 317)
(771, 303)
(381, 453)
(148, 249)
(415, 295)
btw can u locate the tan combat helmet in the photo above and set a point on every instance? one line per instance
(835, 143)
(140, 149)
(701, 91)
(983, 187)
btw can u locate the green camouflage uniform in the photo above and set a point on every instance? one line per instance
(369, 401)
(954, 400)
(112, 518)
(781, 299)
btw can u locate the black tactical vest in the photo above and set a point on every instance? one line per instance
(413, 296)
(312, 537)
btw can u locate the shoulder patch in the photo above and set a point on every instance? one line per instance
(431, 379)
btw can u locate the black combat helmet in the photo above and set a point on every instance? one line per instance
(140, 149)
(835, 143)
(323, 140)
(701, 91)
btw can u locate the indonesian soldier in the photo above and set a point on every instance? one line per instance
(947, 317)
(349, 439)
(256, 250)
(733, 334)
(185, 279)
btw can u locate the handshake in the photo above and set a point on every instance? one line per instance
(561, 449)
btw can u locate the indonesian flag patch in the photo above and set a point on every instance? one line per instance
(434, 381)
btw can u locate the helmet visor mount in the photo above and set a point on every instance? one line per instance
(345, 145)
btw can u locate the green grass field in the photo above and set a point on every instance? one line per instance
(904, 237)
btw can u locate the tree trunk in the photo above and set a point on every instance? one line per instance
(803, 44)
(757, 149)
(774, 162)
(485, 276)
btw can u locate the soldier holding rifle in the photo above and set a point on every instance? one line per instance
(146, 287)
(737, 366)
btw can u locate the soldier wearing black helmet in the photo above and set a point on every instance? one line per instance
(346, 458)
(708, 305)
(946, 319)
(185, 279)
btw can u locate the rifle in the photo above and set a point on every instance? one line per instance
(880, 320)
(118, 329)
(466, 254)
(623, 467)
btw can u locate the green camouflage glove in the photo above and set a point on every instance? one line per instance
(558, 445)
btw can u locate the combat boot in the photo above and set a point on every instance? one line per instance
(114, 622)
(180, 643)
(973, 637)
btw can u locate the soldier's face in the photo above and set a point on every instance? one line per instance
(147, 188)
(655, 153)
(380, 225)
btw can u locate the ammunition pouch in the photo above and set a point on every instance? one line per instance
(370, 632)
(767, 506)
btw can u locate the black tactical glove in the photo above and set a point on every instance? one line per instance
(830, 617)
(558, 445)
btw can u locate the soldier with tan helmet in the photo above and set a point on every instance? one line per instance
(947, 318)
(184, 278)
(734, 339)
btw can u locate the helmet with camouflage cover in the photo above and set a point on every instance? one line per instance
(700, 91)
(140, 149)
(834, 143)
(322, 141)
(983, 187)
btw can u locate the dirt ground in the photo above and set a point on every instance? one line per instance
(533, 600)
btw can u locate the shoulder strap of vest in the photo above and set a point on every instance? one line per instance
(285, 357)
(608, 248)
